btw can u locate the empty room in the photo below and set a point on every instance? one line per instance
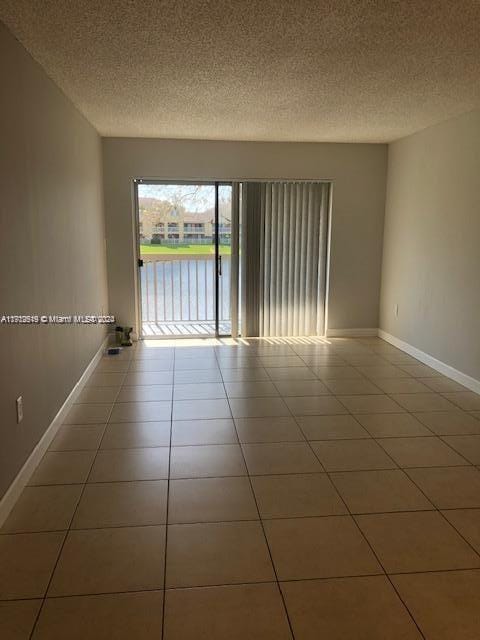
(239, 320)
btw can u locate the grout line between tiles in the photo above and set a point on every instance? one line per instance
(265, 535)
(367, 541)
(69, 526)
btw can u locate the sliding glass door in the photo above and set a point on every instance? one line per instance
(229, 259)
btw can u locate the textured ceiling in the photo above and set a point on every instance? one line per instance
(310, 70)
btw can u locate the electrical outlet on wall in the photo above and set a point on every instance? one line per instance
(19, 403)
(395, 310)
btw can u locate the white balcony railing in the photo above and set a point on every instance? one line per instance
(182, 289)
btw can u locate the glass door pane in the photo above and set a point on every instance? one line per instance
(176, 236)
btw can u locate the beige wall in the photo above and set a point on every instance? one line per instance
(431, 258)
(52, 257)
(358, 172)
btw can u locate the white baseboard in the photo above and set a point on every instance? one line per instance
(351, 333)
(462, 378)
(13, 492)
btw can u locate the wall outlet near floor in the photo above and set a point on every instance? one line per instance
(19, 403)
(395, 310)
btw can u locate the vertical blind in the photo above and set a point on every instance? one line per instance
(285, 228)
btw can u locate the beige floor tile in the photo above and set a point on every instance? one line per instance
(17, 618)
(367, 359)
(379, 491)
(204, 352)
(383, 371)
(217, 553)
(339, 427)
(370, 404)
(236, 612)
(420, 371)
(296, 496)
(278, 374)
(328, 547)
(352, 387)
(336, 372)
(281, 429)
(365, 608)
(442, 385)
(197, 432)
(391, 425)
(281, 361)
(43, 509)
(449, 487)
(251, 389)
(27, 561)
(416, 541)
(301, 388)
(110, 560)
(78, 437)
(97, 395)
(445, 423)
(118, 465)
(445, 605)
(122, 504)
(352, 455)
(245, 374)
(201, 409)
(315, 406)
(146, 393)
(423, 402)
(155, 350)
(149, 353)
(465, 400)
(238, 361)
(131, 435)
(63, 467)
(421, 452)
(119, 616)
(197, 377)
(467, 522)
(264, 349)
(258, 407)
(211, 500)
(323, 360)
(467, 446)
(112, 365)
(402, 385)
(143, 378)
(279, 458)
(207, 461)
(199, 391)
(196, 364)
(105, 380)
(141, 411)
(88, 414)
(152, 365)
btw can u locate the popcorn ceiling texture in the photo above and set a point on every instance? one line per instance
(304, 70)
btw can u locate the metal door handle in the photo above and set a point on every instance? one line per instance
(219, 265)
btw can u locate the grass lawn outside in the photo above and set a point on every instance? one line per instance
(191, 249)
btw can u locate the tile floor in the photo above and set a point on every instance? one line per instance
(262, 489)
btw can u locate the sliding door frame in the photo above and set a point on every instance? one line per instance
(236, 188)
